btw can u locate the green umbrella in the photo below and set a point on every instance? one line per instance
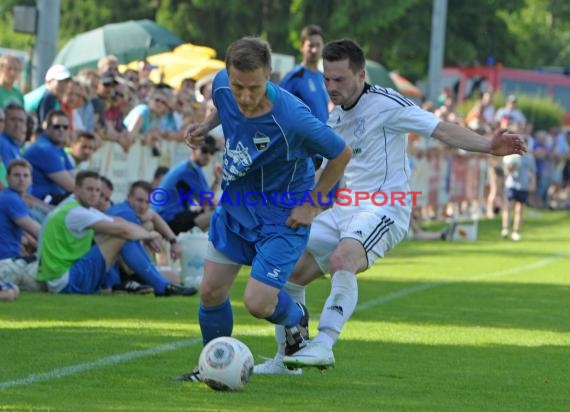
(378, 74)
(129, 40)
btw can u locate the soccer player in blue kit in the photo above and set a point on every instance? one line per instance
(269, 191)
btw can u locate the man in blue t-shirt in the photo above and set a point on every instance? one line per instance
(305, 80)
(269, 198)
(13, 135)
(53, 176)
(15, 220)
(184, 191)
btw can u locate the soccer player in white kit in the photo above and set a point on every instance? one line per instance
(348, 238)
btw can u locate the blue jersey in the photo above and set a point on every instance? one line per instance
(125, 211)
(12, 207)
(184, 184)
(46, 158)
(269, 154)
(9, 149)
(309, 86)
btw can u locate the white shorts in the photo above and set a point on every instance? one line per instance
(22, 273)
(376, 229)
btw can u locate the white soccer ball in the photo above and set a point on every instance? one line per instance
(225, 364)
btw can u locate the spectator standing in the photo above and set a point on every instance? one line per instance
(12, 138)
(10, 69)
(305, 80)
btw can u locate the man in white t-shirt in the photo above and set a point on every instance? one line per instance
(69, 260)
(349, 237)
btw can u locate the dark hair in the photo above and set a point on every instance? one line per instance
(85, 174)
(311, 30)
(13, 106)
(82, 134)
(54, 113)
(18, 162)
(249, 54)
(107, 182)
(142, 184)
(345, 49)
(160, 171)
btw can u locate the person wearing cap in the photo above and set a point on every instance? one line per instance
(101, 102)
(183, 186)
(510, 113)
(56, 81)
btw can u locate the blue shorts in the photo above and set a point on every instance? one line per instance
(517, 195)
(87, 275)
(272, 250)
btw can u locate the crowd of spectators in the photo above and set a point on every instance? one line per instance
(122, 126)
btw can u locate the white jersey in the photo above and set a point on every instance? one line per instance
(376, 129)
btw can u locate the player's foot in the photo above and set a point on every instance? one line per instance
(132, 287)
(313, 354)
(193, 376)
(516, 236)
(505, 233)
(297, 336)
(173, 290)
(274, 366)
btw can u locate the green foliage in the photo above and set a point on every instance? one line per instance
(541, 111)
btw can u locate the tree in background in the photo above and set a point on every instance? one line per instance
(516, 33)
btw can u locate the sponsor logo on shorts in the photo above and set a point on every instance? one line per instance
(274, 274)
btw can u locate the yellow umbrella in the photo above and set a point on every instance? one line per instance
(197, 72)
(185, 61)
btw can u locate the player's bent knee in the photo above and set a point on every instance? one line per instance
(258, 309)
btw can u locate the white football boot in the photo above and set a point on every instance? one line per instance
(314, 354)
(275, 366)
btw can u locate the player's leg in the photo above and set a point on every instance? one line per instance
(368, 237)
(506, 212)
(517, 219)
(322, 241)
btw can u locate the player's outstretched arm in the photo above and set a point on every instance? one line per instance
(501, 143)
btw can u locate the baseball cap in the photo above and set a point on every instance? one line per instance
(512, 98)
(57, 72)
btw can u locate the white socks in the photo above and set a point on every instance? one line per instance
(338, 307)
(297, 292)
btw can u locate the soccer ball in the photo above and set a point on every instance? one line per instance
(225, 364)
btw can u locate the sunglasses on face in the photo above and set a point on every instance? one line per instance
(205, 150)
(59, 126)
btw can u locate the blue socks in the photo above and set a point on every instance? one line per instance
(137, 259)
(216, 321)
(287, 312)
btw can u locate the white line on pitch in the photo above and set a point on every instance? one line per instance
(108, 361)
(420, 288)
(128, 356)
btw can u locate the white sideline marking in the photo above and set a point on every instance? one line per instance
(128, 356)
(420, 288)
(108, 361)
